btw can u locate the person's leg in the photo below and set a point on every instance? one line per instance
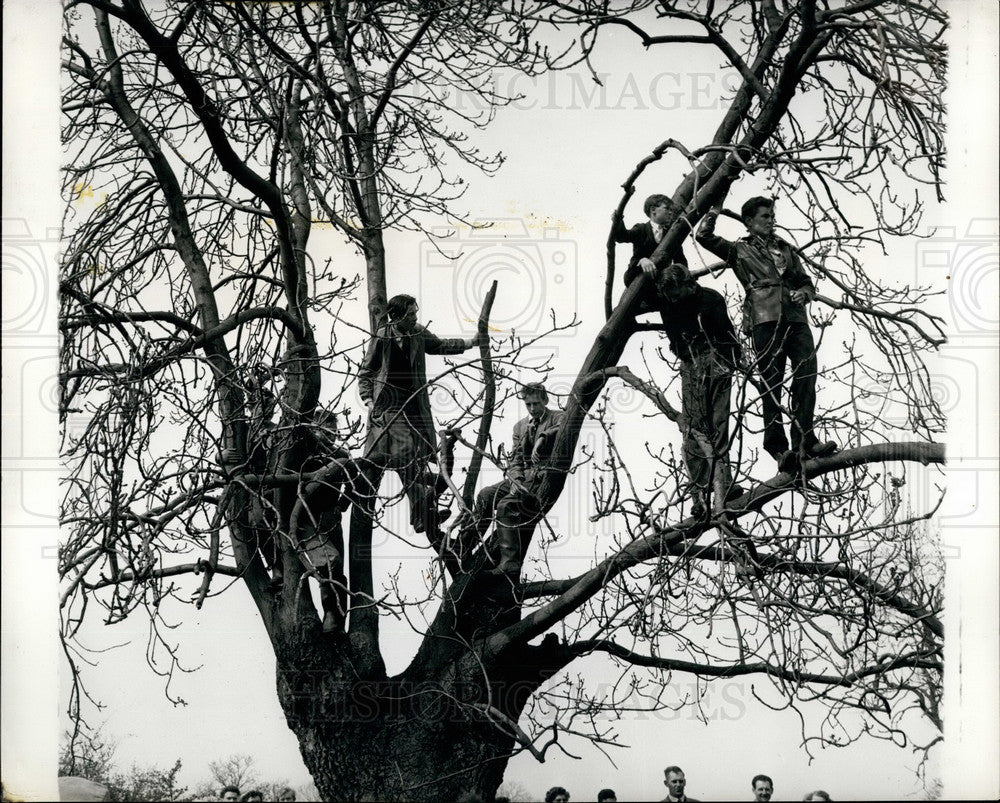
(698, 441)
(801, 351)
(486, 502)
(333, 594)
(719, 391)
(769, 347)
(263, 519)
(516, 512)
(421, 496)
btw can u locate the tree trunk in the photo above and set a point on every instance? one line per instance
(431, 735)
(374, 251)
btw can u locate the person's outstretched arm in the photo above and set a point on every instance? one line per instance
(707, 238)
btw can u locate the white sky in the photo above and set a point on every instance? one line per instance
(565, 162)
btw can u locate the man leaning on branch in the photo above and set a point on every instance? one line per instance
(393, 385)
(702, 337)
(774, 315)
(513, 503)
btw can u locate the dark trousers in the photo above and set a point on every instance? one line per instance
(776, 343)
(393, 442)
(514, 508)
(517, 513)
(486, 504)
(705, 388)
(419, 484)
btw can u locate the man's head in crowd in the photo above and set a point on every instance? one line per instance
(763, 788)
(674, 780)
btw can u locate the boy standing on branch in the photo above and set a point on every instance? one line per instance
(393, 384)
(774, 314)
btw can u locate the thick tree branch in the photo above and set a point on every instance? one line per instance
(880, 667)
(662, 539)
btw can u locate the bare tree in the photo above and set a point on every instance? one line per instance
(192, 312)
(93, 758)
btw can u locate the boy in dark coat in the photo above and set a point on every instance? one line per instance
(645, 237)
(393, 385)
(702, 337)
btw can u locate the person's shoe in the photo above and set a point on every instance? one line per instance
(332, 623)
(511, 571)
(699, 509)
(821, 449)
(735, 492)
(789, 462)
(509, 565)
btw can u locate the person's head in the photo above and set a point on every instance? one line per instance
(535, 398)
(607, 796)
(763, 788)
(286, 794)
(673, 779)
(658, 208)
(324, 427)
(557, 795)
(758, 215)
(253, 796)
(402, 312)
(674, 284)
(229, 793)
(819, 794)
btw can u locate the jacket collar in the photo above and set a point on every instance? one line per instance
(542, 419)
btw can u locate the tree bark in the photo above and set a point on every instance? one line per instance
(428, 735)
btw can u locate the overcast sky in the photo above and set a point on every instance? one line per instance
(568, 146)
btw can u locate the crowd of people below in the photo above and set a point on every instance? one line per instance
(761, 786)
(231, 793)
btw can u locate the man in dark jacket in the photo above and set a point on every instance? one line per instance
(534, 437)
(774, 314)
(645, 237)
(702, 337)
(393, 384)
